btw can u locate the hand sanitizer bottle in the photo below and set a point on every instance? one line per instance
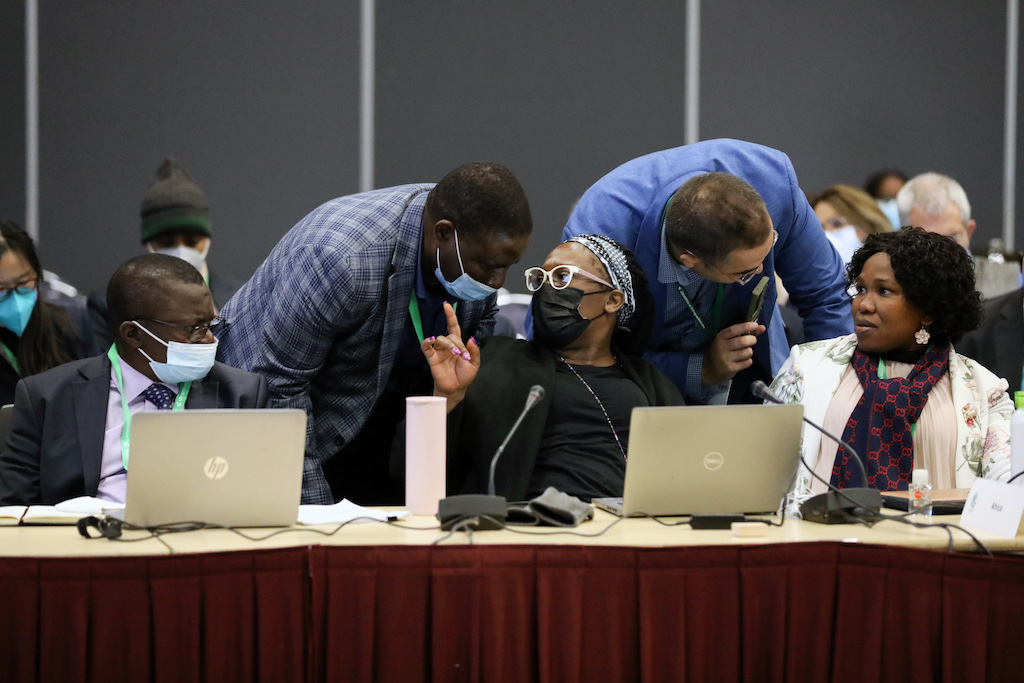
(1017, 438)
(920, 498)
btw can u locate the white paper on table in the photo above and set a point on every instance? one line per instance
(87, 505)
(11, 514)
(70, 511)
(345, 511)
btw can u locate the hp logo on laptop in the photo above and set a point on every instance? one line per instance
(712, 461)
(216, 467)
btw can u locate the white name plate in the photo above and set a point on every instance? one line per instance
(994, 507)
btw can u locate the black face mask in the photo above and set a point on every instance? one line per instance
(556, 317)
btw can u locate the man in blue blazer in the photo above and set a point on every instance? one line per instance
(335, 316)
(706, 221)
(68, 422)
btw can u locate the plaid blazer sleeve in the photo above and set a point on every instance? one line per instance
(303, 312)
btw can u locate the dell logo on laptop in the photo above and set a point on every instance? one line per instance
(216, 467)
(713, 461)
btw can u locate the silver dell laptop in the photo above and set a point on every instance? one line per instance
(692, 460)
(226, 467)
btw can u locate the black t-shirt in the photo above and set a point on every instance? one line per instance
(578, 453)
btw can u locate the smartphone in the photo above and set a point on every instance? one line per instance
(757, 300)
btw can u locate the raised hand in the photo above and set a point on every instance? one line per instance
(453, 364)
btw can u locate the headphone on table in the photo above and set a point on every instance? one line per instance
(108, 527)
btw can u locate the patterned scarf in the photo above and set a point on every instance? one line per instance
(879, 426)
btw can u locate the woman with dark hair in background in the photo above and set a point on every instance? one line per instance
(883, 186)
(34, 335)
(592, 315)
(895, 389)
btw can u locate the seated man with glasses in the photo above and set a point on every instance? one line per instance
(69, 423)
(592, 314)
(707, 222)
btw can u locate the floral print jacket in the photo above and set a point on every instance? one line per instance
(811, 376)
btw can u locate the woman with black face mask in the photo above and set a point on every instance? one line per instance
(592, 314)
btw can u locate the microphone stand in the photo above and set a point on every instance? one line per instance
(484, 512)
(835, 506)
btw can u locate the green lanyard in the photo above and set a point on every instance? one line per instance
(716, 311)
(414, 313)
(884, 374)
(126, 430)
(11, 358)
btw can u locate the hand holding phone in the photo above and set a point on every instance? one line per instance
(757, 300)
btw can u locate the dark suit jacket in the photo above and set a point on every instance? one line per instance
(999, 343)
(55, 446)
(493, 402)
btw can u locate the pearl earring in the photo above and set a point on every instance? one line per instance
(922, 336)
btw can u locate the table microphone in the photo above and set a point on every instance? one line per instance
(490, 510)
(835, 506)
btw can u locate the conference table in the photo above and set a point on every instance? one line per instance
(608, 601)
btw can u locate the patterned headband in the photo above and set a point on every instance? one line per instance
(609, 253)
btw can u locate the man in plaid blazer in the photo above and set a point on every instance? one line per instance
(335, 316)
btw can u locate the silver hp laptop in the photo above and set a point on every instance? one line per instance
(692, 460)
(227, 467)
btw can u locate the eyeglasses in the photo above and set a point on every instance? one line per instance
(25, 286)
(744, 278)
(558, 277)
(194, 333)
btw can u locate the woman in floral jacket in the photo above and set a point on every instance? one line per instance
(896, 389)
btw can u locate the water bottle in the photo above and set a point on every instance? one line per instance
(1017, 437)
(920, 498)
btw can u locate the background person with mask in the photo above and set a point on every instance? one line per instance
(848, 215)
(592, 313)
(35, 335)
(883, 186)
(335, 316)
(68, 422)
(176, 222)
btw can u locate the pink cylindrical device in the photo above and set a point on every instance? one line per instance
(426, 420)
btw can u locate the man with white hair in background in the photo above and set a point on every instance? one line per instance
(938, 204)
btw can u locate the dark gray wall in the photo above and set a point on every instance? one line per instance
(259, 101)
(916, 84)
(561, 93)
(12, 111)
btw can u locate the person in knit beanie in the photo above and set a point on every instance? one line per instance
(176, 217)
(175, 221)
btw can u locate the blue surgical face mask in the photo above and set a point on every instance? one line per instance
(16, 309)
(464, 287)
(891, 211)
(185, 362)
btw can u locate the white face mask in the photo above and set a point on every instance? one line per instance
(194, 257)
(185, 362)
(845, 241)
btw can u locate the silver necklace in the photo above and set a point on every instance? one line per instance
(599, 405)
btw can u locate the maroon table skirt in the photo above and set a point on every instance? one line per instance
(790, 612)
